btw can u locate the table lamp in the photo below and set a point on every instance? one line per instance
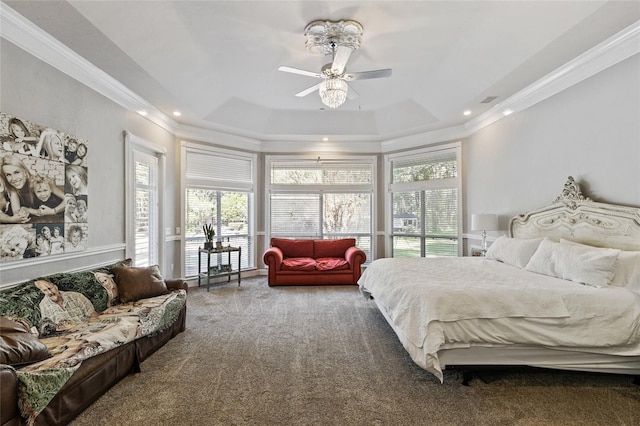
(484, 222)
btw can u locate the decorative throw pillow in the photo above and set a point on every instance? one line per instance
(513, 251)
(135, 283)
(125, 262)
(574, 262)
(17, 345)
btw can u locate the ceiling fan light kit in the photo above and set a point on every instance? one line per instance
(333, 92)
(340, 39)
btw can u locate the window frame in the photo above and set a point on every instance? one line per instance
(134, 144)
(421, 186)
(223, 186)
(370, 160)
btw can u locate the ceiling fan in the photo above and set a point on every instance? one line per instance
(340, 39)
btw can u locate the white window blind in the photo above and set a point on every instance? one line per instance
(425, 203)
(322, 199)
(219, 169)
(295, 215)
(315, 173)
(218, 191)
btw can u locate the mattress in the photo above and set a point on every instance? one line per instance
(454, 304)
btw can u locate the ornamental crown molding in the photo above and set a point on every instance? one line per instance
(30, 38)
(35, 41)
(617, 48)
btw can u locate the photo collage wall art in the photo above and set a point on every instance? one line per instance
(43, 190)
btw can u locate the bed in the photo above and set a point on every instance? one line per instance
(561, 291)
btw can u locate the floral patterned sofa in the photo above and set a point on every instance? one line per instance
(313, 262)
(51, 372)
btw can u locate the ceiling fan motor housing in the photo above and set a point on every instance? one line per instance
(327, 71)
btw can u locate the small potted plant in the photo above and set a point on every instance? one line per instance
(209, 233)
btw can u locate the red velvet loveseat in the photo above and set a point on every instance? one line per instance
(313, 262)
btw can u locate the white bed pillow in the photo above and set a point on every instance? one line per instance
(627, 270)
(513, 251)
(574, 262)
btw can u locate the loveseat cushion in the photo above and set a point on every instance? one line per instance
(18, 346)
(331, 264)
(299, 264)
(293, 248)
(135, 283)
(332, 248)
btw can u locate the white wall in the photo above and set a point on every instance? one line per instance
(34, 91)
(590, 131)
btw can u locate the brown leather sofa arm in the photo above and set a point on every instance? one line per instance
(177, 284)
(355, 256)
(9, 411)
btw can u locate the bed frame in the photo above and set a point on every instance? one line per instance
(574, 217)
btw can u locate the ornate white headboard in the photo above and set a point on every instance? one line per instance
(575, 217)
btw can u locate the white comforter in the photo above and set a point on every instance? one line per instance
(475, 301)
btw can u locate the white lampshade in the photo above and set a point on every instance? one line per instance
(484, 222)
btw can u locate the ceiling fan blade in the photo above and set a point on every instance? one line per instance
(311, 89)
(340, 58)
(299, 71)
(365, 75)
(352, 94)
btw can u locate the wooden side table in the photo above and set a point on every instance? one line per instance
(219, 269)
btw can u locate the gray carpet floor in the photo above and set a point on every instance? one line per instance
(255, 355)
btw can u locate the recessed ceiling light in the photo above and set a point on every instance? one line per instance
(142, 112)
(177, 113)
(325, 139)
(467, 112)
(507, 112)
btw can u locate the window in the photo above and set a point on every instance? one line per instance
(218, 190)
(146, 209)
(145, 172)
(425, 202)
(322, 199)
